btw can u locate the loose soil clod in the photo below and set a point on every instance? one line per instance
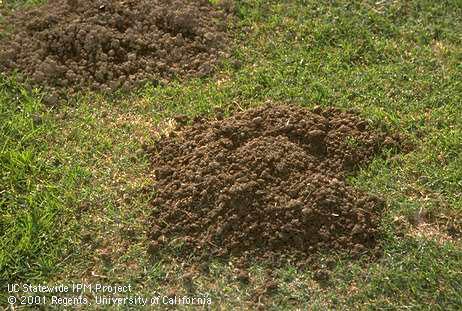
(268, 183)
(109, 44)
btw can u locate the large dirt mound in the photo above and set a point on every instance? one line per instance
(106, 44)
(266, 183)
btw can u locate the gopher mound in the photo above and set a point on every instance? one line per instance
(107, 44)
(268, 183)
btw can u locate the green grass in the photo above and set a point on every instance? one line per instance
(75, 183)
(35, 187)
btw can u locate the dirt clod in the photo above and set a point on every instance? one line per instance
(243, 276)
(111, 44)
(267, 183)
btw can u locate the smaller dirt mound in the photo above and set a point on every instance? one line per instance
(107, 44)
(266, 184)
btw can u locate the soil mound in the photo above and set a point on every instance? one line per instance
(266, 183)
(107, 44)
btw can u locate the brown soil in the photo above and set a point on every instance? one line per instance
(268, 183)
(107, 44)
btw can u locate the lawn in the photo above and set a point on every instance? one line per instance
(76, 186)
